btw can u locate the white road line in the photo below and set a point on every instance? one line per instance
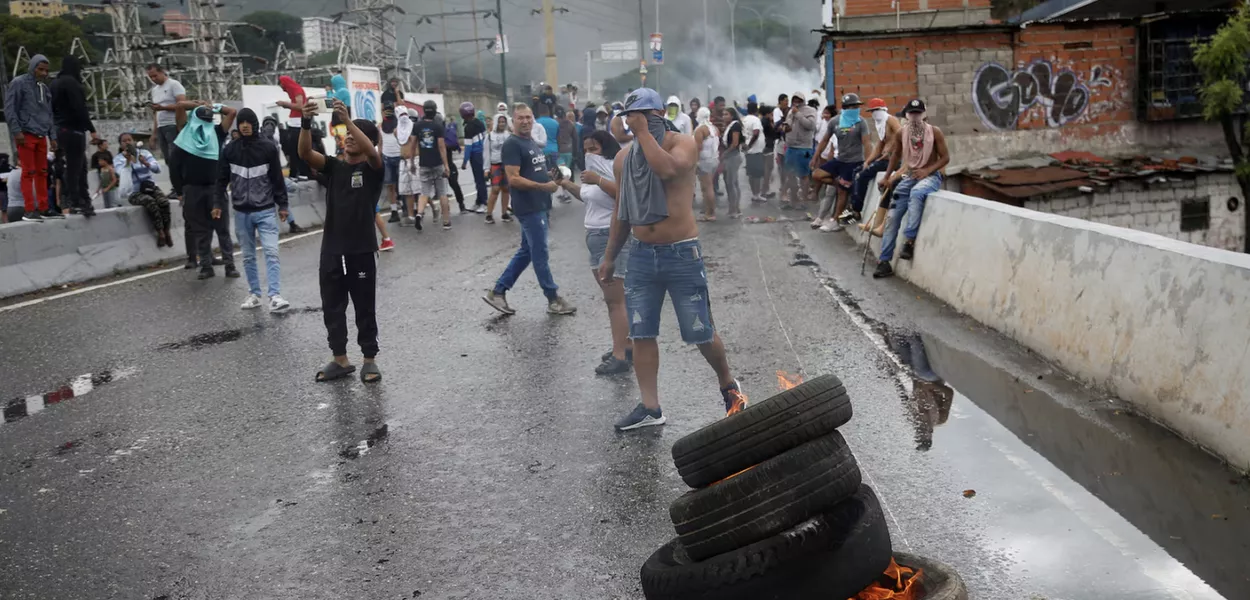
(780, 323)
(129, 279)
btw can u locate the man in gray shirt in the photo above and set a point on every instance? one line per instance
(800, 129)
(852, 134)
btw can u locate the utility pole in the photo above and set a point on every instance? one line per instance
(549, 23)
(503, 62)
(657, 30)
(642, 41)
(446, 57)
(477, 49)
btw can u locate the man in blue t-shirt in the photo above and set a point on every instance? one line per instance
(552, 128)
(525, 164)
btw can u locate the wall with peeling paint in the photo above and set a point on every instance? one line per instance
(1157, 322)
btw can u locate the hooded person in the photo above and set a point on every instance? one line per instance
(590, 117)
(679, 119)
(474, 151)
(28, 111)
(69, 115)
(196, 152)
(250, 169)
(656, 202)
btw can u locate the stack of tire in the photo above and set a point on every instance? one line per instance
(778, 510)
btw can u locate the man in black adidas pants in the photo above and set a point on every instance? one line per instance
(349, 245)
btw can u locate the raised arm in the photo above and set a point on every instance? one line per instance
(668, 165)
(316, 160)
(228, 115)
(362, 141)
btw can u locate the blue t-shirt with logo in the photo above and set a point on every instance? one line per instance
(552, 127)
(532, 160)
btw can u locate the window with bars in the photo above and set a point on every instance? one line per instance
(1196, 214)
(1170, 81)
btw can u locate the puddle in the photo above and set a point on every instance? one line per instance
(1188, 502)
(351, 452)
(203, 340)
(20, 408)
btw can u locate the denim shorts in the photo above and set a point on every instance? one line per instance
(676, 270)
(597, 243)
(390, 176)
(799, 161)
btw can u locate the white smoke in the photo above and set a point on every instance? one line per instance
(764, 73)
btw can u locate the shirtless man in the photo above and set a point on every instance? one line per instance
(656, 181)
(915, 171)
(885, 133)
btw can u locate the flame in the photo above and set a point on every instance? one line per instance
(900, 583)
(786, 381)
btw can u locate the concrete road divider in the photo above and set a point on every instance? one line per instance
(36, 256)
(1157, 322)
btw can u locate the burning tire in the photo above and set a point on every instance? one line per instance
(833, 555)
(762, 431)
(773, 496)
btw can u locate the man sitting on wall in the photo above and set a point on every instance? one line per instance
(916, 166)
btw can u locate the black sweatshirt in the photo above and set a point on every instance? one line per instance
(69, 101)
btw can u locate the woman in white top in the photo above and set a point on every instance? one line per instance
(493, 150)
(599, 191)
(707, 139)
(390, 160)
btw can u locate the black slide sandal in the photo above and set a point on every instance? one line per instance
(334, 371)
(368, 369)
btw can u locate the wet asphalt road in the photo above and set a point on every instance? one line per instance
(203, 462)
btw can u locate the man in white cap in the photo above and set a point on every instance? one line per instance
(679, 119)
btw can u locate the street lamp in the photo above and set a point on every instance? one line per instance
(758, 17)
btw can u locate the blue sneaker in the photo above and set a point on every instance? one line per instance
(641, 417)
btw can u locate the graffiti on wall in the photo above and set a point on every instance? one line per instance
(1002, 97)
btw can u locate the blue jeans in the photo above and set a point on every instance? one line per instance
(479, 177)
(675, 269)
(533, 249)
(247, 225)
(866, 178)
(909, 199)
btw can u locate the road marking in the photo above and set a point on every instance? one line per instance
(101, 286)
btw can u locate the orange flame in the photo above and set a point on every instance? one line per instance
(900, 583)
(786, 381)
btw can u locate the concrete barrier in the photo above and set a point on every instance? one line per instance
(1161, 324)
(36, 256)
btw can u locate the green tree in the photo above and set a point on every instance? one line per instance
(92, 27)
(1222, 63)
(50, 37)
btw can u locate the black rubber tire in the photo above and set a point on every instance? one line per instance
(833, 555)
(770, 498)
(762, 431)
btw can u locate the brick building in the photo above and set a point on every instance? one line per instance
(1112, 82)
(877, 15)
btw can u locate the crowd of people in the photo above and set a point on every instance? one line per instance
(636, 166)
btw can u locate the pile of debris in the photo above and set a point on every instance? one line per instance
(778, 511)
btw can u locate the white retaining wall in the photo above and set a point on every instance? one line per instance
(36, 256)
(1160, 323)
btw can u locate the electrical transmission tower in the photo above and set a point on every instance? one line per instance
(375, 20)
(218, 71)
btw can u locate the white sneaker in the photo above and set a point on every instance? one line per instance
(816, 223)
(252, 302)
(277, 304)
(832, 227)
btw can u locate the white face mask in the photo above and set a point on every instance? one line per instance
(880, 117)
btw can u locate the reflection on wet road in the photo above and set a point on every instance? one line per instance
(485, 466)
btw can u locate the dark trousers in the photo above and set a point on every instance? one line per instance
(220, 226)
(479, 177)
(453, 179)
(74, 193)
(157, 207)
(197, 206)
(354, 277)
(866, 178)
(290, 146)
(166, 135)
